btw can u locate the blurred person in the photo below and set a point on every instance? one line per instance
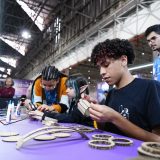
(132, 108)
(49, 90)
(152, 35)
(76, 85)
(7, 91)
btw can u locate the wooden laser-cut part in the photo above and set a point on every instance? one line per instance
(45, 130)
(152, 147)
(7, 134)
(101, 136)
(121, 141)
(11, 139)
(146, 153)
(101, 144)
(84, 107)
(45, 137)
(61, 135)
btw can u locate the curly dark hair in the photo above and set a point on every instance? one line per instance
(154, 28)
(114, 48)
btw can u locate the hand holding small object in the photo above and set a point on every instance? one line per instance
(88, 98)
(45, 107)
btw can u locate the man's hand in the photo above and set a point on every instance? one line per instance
(44, 107)
(88, 98)
(102, 113)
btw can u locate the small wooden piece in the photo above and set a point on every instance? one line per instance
(61, 135)
(143, 152)
(45, 137)
(152, 147)
(101, 144)
(11, 139)
(84, 107)
(101, 136)
(7, 134)
(121, 141)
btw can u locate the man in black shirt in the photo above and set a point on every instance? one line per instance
(132, 108)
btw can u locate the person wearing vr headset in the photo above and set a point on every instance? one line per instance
(7, 91)
(49, 90)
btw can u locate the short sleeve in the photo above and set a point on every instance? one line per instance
(153, 104)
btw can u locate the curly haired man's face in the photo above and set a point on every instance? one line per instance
(153, 40)
(112, 70)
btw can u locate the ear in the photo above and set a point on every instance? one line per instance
(124, 60)
(83, 88)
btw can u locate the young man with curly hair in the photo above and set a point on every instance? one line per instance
(132, 108)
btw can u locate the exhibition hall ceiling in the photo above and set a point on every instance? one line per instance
(15, 44)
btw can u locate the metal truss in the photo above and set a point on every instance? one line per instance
(83, 23)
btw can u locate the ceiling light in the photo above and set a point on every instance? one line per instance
(9, 71)
(142, 54)
(2, 69)
(4, 76)
(9, 61)
(141, 66)
(26, 35)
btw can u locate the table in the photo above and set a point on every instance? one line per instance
(72, 148)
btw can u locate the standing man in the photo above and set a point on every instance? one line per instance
(152, 35)
(132, 108)
(49, 90)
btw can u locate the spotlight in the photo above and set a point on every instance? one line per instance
(26, 34)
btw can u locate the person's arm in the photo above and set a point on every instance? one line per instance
(156, 130)
(102, 113)
(37, 93)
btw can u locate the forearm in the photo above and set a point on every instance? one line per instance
(134, 131)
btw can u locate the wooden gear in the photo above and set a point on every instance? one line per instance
(101, 144)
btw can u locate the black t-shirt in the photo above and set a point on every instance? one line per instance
(139, 102)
